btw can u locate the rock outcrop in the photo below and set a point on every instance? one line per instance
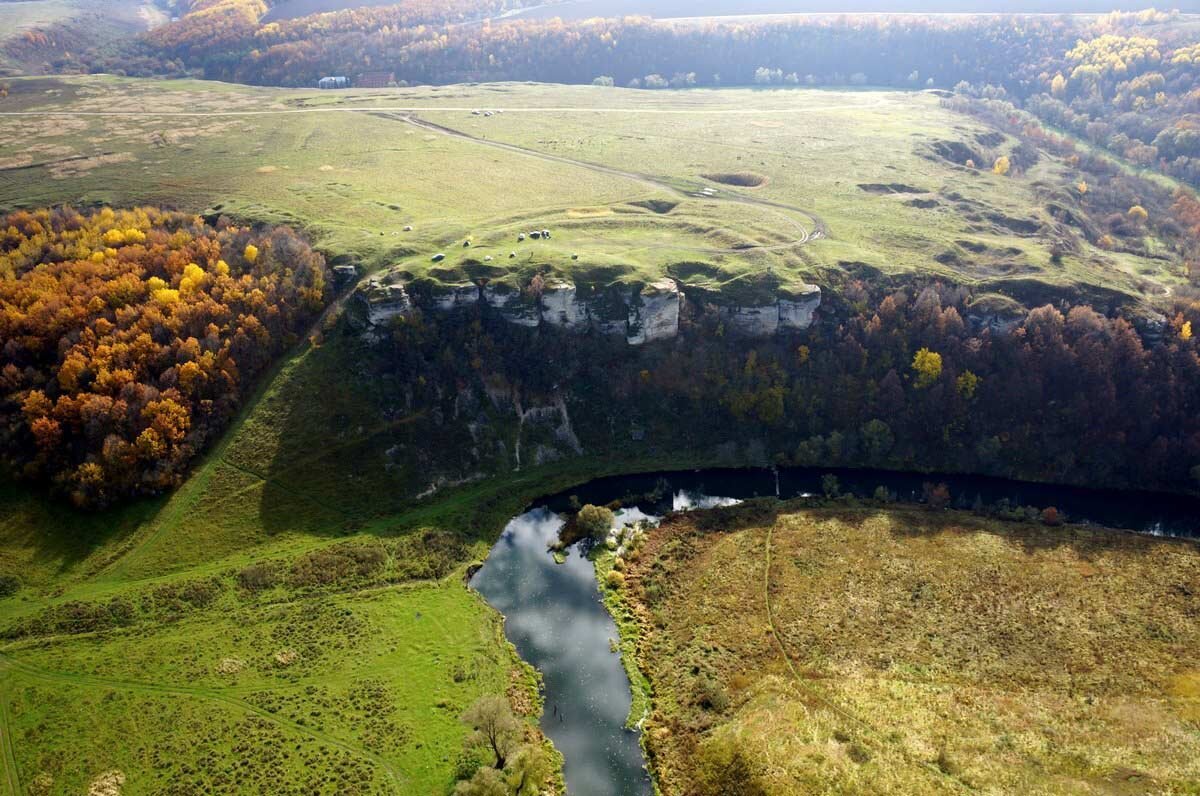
(445, 298)
(654, 313)
(799, 310)
(561, 307)
(751, 321)
(791, 310)
(384, 302)
(640, 315)
(512, 305)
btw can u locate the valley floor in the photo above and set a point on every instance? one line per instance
(862, 650)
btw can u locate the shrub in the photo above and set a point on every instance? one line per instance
(831, 486)
(257, 577)
(338, 564)
(595, 521)
(615, 580)
(710, 695)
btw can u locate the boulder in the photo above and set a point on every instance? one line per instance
(345, 274)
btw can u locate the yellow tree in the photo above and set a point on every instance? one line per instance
(928, 367)
(1002, 166)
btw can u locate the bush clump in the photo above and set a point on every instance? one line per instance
(595, 521)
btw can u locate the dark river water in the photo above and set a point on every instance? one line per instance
(554, 616)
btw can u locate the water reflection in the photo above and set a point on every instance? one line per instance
(556, 620)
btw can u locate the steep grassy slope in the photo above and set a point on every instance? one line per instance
(280, 624)
(869, 651)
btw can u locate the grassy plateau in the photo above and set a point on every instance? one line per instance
(712, 187)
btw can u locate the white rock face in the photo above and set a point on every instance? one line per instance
(512, 306)
(757, 321)
(452, 297)
(797, 312)
(385, 302)
(642, 316)
(656, 315)
(561, 307)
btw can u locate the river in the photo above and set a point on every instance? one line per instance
(554, 616)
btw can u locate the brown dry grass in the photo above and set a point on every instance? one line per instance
(107, 784)
(925, 654)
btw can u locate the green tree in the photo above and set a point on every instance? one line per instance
(830, 485)
(878, 439)
(595, 521)
(966, 384)
(495, 726)
(528, 771)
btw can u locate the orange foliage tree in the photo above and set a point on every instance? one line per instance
(127, 339)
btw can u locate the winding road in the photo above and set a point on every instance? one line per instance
(820, 228)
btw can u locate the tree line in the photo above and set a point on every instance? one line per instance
(130, 338)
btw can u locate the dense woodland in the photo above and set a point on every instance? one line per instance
(907, 377)
(130, 337)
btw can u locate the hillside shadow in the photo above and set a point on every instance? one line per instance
(43, 535)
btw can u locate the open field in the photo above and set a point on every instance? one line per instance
(901, 651)
(804, 185)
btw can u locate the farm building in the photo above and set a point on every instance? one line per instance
(375, 80)
(339, 81)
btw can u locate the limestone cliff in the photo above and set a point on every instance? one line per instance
(641, 314)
